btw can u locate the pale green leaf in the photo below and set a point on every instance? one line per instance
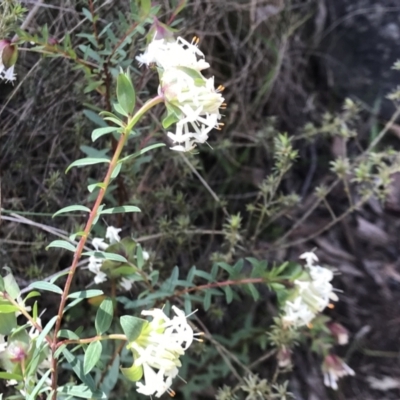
(106, 256)
(62, 244)
(85, 294)
(132, 326)
(125, 93)
(99, 132)
(75, 207)
(140, 152)
(121, 209)
(50, 287)
(82, 162)
(104, 316)
(92, 356)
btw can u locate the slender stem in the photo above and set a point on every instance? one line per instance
(92, 216)
(92, 339)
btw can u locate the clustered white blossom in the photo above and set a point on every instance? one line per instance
(191, 97)
(95, 263)
(158, 348)
(335, 368)
(6, 54)
(311, 294)
(16, 352)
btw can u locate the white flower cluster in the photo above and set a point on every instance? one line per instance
(6, 51)
(95, 263)
(191, 97)
(312, 294)
(17, 352)
(159, 347)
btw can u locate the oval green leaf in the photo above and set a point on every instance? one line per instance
(92, 356)
(125, 93)
(62, 244)
(104, 316)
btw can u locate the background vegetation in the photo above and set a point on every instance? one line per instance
(295, 167)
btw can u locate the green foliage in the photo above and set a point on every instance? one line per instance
(180, 271)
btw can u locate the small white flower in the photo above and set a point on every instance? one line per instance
(146, 255)
(99, 244)
(335, 368)
(310, 258)
(3, 344)
(94, 267)
(112, 234)
(169, 54)
(312, 294)
(126, 284)
(159, 347)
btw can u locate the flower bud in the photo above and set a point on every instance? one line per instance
(284, 357)
(333, 369)
(8, 58)
(339, 332)
(52, 41)
(9, 54)
(16, 351)
(161, 31)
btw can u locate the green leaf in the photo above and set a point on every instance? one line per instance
(228, 294)
(253, 291)
(207, 300)
(8, 376)
(92, 356)
(50, 287)
(68, 209)
(34, 394)
(8, 308)
(133, 373)
(116, 171)
(77, 366)
(139, 256)
(7, 323)
(145, 7)
(96, 185)
(62, 244)
(82, 162)
(31, 295)
(85, 294)
(111, 378)
(99, 132)
(132, 326)
(104, 316)
(125, 93)
(81, 391)
(66, 333)
(106, 256)
(11, 285)
(87, 14)
(1, 284)
(120, 110)
(121, 209)
(142, 151)
(45, 331)
(169, 120)
(92, 116)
